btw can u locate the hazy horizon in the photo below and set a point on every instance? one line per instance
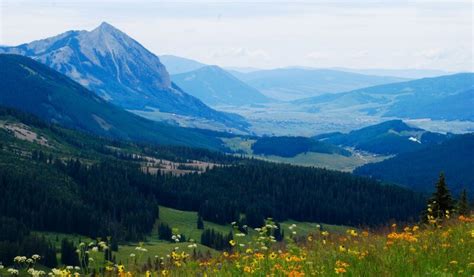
(436, 35)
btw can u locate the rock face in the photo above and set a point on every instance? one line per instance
(119, 69)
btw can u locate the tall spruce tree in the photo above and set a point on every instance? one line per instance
(441, 202)
(200, 223)
(463, 204)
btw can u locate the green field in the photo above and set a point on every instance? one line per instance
(182, 222)
(323, 160)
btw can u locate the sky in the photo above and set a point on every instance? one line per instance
(390, 34)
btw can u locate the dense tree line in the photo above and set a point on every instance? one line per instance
(165, 232)
(259, 190)
(71, 197)
(216, 240)
(292, 146)
(17, 240)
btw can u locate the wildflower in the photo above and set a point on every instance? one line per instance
(232, 242)
(453, 262)
(132, 255)
(120, 268)
(164, 272)
(352, 232)
(13, 271)
(248, 269)
(340, 270)
(240, 235)
(342, 248)
(147, 273)
(310, 238)
(36, 257)
(295, 273)
(415, 228)
(19, 259)
(95, 249)
(272, 256)
(325, 233)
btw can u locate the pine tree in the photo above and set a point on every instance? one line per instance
(200, 223)
(463, 204)
(441, 202)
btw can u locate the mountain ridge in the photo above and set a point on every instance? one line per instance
(120, 70)
(35, 88)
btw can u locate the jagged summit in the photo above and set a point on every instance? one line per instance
(118, 69)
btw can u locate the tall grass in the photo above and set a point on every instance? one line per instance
(445, 249)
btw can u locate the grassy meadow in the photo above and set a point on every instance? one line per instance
(432, 249)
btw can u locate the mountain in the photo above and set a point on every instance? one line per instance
(448, 97)
(32, 87)
(177, 65)
(387, 138)
(295, 83)
(121, 71)
(400, 73)
(214, 86)
(419, 169)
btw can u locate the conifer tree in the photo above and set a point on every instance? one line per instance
(441, 203)
(463, 204)
(200, 223)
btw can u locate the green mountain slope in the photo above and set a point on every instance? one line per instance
(387, 138)
(419, 169)
(35, 88)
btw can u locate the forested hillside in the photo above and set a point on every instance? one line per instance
(419, 169)
(55, 179)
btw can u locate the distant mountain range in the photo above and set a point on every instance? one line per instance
(215, 86)
(121, 71)
(387, 138)
(177, 65)
(295, 83)
(419, 169)
(32, 87)
(445, 98)
(401, 73)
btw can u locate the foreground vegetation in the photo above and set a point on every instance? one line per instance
(432, 249)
